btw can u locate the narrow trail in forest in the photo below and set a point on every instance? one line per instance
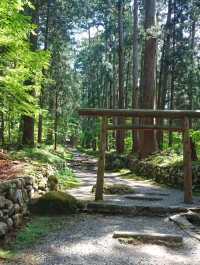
(85, 167)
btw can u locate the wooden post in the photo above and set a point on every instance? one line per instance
(187, 160)
(101, 162)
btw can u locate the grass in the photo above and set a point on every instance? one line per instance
(32, 233)
(43, 154)
(47, 155)
(89, 152)
(36, 230)
(67, 179)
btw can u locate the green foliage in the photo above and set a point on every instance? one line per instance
(55, 203)
(6, 255)
(37, 229)
(165, 159)
(67, 179)
(18, 62)
(43, 154)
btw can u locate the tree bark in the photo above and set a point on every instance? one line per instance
(28, 121)
(148, 143)
(165, 70)
(2, 128)
(40, 119)
(173, 68)
(135, 93)
(120, 133)
(56, 122)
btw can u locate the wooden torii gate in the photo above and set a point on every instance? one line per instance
(184, 115)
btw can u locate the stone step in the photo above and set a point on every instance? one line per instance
(149, 237)
(142, 197)
(129, 210)
(156, 194)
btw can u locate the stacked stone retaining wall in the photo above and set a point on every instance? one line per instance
(15, 196)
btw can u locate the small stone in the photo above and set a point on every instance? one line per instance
(2, 202)
(10, 223)
(42, 185)
(29, 188)
(25, 196)
(1, 214)
(17, 208)
(3, 229)
(18, 197)
(17, 219)
(18, 183)
(28, 180)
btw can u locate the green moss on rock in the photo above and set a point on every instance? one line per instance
(111, 189)
(53, 183)
(55, 203)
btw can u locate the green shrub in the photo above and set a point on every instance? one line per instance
(55, 203)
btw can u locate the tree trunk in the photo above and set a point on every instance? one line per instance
(165, 70)
(120, 133)
(28, 121)
(40, 120)
(135, 93)
(56, 122)
(173, 68)
(2, 129)
(191, 73)
(28, 131)
(148, 143)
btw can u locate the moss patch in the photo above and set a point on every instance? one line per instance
(111, 189)
(6, 255)
(55, 203)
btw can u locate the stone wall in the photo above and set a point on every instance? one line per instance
(171, 174)
(14, 198)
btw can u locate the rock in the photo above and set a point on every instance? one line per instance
(29, 188)
(55, 202)
(25, 196)
(4, 187)
(10, 207)
(10, 223)
(18, 183)
(17, 208)
(3, 229)
(1, 214)
(2, 202)
(149, 237)
(18, 197)
(52, 183)
(28, 180)
(193, 218)
(141, 197)
(17, 219)
(115, 209)
(42, 185)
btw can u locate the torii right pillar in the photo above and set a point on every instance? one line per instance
(187, 162)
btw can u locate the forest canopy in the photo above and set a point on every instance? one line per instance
(59, 55)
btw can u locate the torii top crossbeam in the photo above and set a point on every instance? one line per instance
(184, 115)
(168, 114)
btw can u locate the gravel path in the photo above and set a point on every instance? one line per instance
(142, 187)
(87, 239)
